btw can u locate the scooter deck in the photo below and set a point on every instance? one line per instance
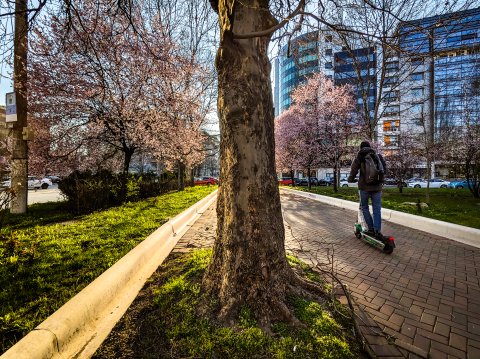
(360, 234)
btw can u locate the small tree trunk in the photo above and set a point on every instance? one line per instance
(335, 178)
(429, 168)
(191, 179)
(292, 176)
(309, 176)
(181, 176)
(127, 158)
(249, 266)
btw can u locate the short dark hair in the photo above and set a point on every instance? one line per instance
(365, 144)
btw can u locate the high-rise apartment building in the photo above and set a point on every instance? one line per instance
(440, 79)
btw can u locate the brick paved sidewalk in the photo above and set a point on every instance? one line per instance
(425, 295)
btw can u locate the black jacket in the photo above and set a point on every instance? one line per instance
(356, 166)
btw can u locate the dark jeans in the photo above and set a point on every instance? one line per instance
(376, 222)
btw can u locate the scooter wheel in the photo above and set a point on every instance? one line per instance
(358, 235)
(388, 249)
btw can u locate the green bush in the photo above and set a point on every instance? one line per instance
(87, 192)
(151, 185)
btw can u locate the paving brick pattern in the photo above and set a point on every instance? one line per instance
(425, 296)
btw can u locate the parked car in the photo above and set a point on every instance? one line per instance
(33, 183)
(54, 179)
(325, 182)
(304, 181)
(392, 182)
(434, 183)
(415, 179)
(459, 184)
(46, 182)
(286, 181)
(345, 183)
(204, 181)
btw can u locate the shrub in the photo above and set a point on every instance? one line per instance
(87, 192)
(151, 185)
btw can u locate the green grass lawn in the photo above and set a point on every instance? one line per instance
(165, 317)
(446, 204)
(47, 255)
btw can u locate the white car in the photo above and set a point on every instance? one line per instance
(434, 183)
(344, 183)
(33, 183)
(46, 182)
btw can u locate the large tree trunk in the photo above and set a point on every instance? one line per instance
(249, 266)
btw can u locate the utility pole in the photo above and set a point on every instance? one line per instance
(431, 84)
(19, 170)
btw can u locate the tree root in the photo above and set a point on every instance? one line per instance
(305, 288)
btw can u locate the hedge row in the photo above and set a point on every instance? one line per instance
(87, 192)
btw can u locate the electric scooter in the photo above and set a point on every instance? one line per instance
(387, 244)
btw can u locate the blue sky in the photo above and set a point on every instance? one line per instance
(5, 86)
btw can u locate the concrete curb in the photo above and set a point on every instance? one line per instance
(462, 234)
(80, 325)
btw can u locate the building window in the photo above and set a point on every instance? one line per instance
(390, 80)
(328, 65)
(417, 108)
(391, 140)
(392, 65)
(417, 76)
(328, 52)
(471, 36)
(391, 126)
(392, 96)
(417, 92)
(310, 45)
(416, 61)
(307, 58)
(391, 110)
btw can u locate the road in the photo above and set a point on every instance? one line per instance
(51, 194)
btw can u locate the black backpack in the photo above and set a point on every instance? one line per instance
(373, 169)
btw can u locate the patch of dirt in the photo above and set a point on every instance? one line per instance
(137, 335)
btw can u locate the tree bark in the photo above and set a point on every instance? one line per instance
(249, 266)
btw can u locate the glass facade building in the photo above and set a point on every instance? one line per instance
(317, 51)
(452, 43)
(297, 62)
(436, 71)
(358, 68)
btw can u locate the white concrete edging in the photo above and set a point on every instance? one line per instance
(78, 328)
(463, 234)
